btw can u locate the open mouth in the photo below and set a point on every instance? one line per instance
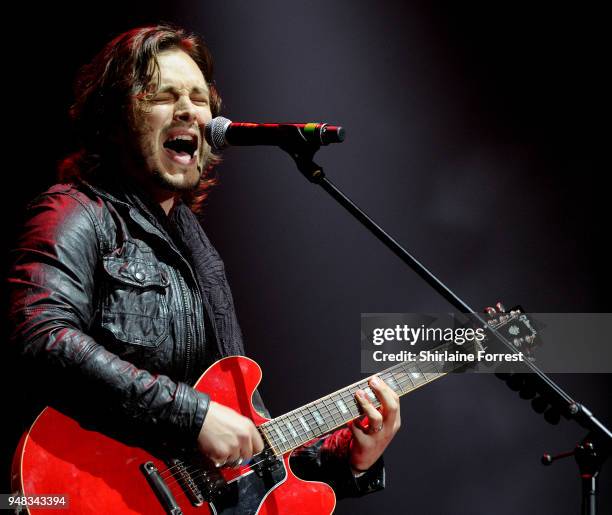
(182, 148)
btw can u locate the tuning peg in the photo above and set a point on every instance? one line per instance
(500, 307)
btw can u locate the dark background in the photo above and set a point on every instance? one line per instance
(472, 137)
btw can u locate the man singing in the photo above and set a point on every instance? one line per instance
(118, 299)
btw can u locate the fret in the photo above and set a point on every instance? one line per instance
(342, 406)
(352, 391)
(291, 429)
(416, 376)
(317, 418)
(283, 438)
(304, 424)
(431, 372)
(297, 424)
(352, 404)
(321, 416)
(426, 368)
(330, 417)
(404, 382)
(438, 371)
(304, 431)
(294, 430)
(334, 407)
(405, 378)
(348, 396)
(280, 435)
(427, 373)
(272, 438)
(348, 402)
(311, 422)
(263, 429)
(267, 435)
(392, 383)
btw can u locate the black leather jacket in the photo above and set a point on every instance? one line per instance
(106, 301)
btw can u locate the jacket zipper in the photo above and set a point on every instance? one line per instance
(188, 342)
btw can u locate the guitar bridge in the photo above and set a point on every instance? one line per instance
(187, 482)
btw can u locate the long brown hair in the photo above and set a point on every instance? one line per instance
(127, 67)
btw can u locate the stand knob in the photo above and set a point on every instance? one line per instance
(548, 459)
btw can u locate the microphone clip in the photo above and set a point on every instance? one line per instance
(303, 155)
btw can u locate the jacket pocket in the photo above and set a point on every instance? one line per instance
(135, 308)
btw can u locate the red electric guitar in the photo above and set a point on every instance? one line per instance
(99, 474)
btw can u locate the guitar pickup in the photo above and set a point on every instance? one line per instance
(267, 462)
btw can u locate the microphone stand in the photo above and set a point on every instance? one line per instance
(551, 400)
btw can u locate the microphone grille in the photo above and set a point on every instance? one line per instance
(215, 132)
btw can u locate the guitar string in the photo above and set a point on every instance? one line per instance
(189, 468)
(402, 381)
(299, 440)
(267, 433)
(344, 395)
(403, 369)
(271, 436)
(203, 472)
(198, 474)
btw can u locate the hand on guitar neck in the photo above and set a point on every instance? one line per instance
(375, 430)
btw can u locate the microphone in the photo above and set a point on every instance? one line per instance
(221, 132)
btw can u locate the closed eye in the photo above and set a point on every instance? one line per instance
(163, 98)
(200, 100)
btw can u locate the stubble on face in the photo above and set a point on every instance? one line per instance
(146, 155)
(177, 104)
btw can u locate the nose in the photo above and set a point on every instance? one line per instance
(185, 111)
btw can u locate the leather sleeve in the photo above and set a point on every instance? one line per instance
(52, 305)
(326, 459)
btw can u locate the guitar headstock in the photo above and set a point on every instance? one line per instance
(515, 326)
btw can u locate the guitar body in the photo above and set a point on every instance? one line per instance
(102, 475)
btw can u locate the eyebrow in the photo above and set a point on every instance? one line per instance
(196, 89)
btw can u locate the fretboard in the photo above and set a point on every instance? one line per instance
(293, 429)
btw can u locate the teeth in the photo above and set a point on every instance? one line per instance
(184, 137)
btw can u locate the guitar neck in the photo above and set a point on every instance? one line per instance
(293, 429)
